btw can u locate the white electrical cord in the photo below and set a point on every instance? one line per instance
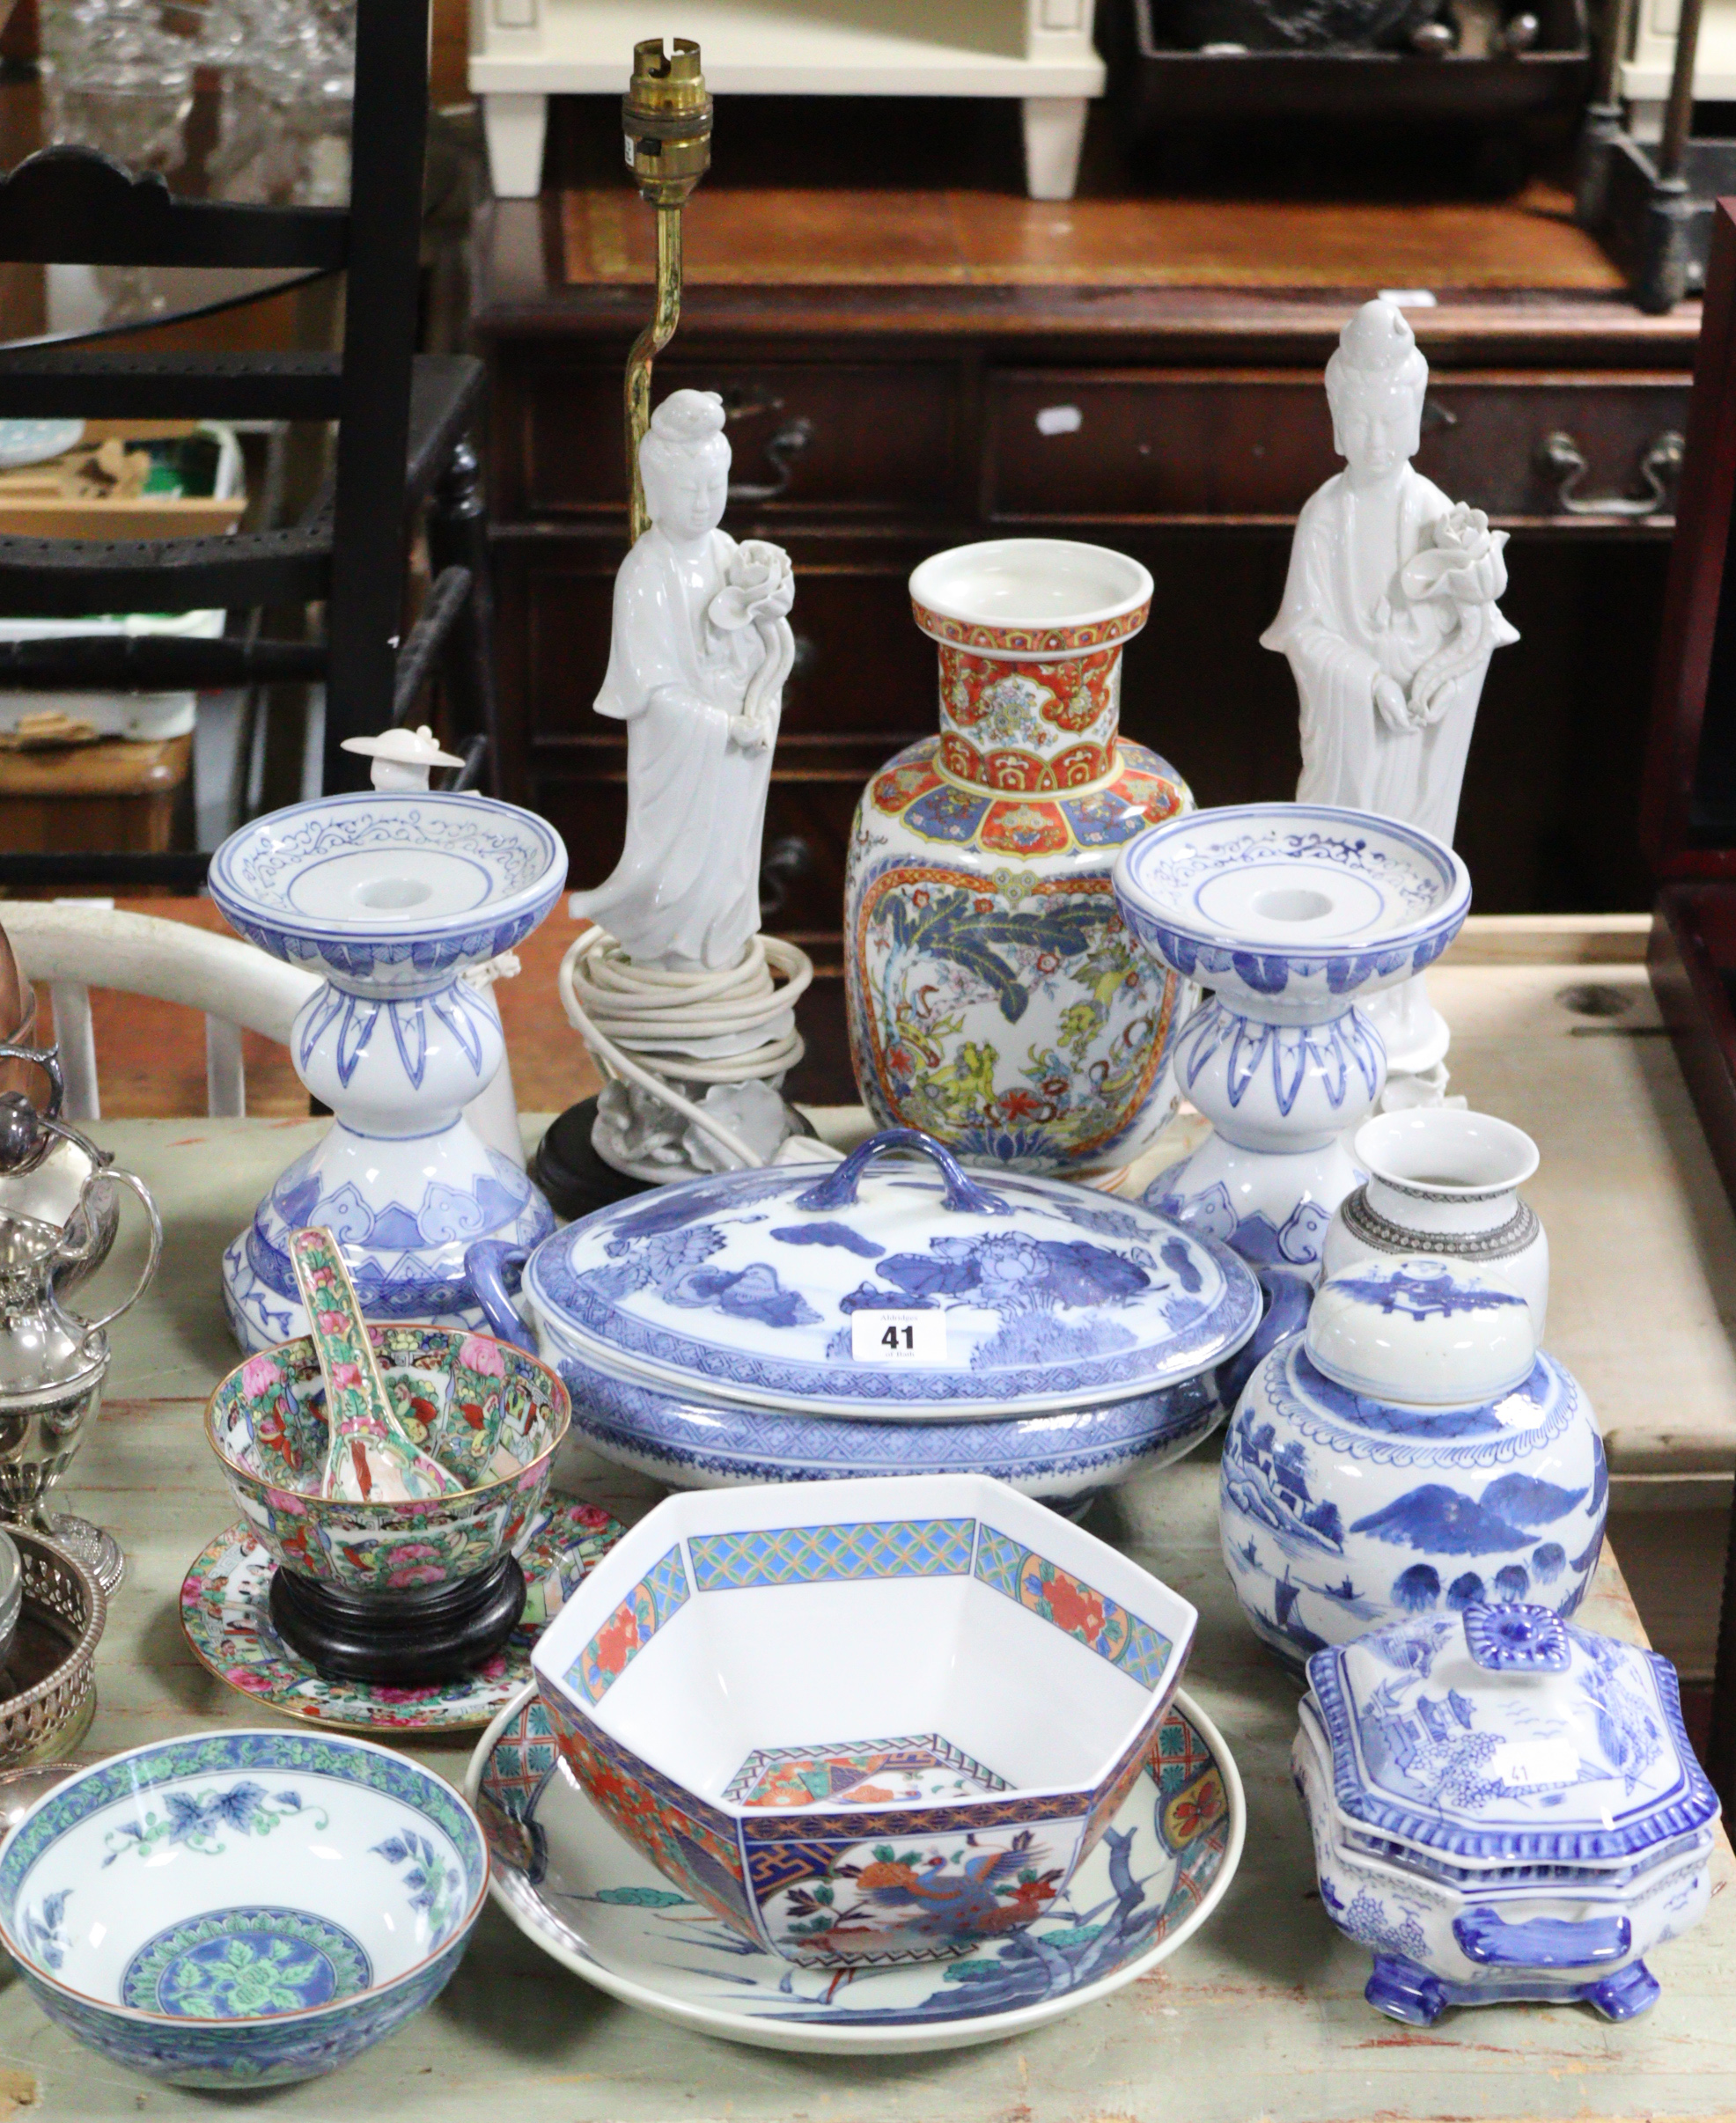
(627, 1013)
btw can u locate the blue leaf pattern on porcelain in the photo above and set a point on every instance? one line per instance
(1275, 1061)
(43, 1928)
(436, 1887)
(197, 1820)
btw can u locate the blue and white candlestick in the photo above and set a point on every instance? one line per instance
(394, 896)
(1292, 914)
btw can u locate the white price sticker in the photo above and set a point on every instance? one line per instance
(1537, 1765)
(914, 1338)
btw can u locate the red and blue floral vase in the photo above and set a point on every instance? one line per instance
(995, 1000)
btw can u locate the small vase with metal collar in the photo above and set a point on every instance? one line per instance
(1445, 1181)
(52, 1361)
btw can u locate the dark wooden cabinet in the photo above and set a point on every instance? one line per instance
(873, 425)
(853, 440)
(1189, 444)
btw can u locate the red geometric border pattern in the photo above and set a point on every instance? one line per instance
(1026, 773)
(1059, 640)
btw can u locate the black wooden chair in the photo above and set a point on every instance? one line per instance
(402, 444)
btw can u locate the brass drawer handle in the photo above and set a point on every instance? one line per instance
(782, 451)
(1560, 455)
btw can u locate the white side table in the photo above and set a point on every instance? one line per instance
(524, 51)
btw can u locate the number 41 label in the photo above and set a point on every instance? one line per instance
(914, 1338)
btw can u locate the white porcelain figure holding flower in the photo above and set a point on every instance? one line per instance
(699, 653)
(1389, 619)
(674, 991)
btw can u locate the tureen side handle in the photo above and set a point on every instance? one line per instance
(487, 1265)
(837, 1190)
(1487, 1938)
(1288, 1298)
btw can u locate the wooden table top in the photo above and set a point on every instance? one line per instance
(1241, 281)
(1261, 2014)
(872, 215)
(792, 237)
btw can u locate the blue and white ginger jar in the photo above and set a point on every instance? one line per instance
(1412, 1453)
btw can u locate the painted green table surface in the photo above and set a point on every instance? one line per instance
(1260, 2016)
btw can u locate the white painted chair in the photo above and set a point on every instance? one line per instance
(75, 945)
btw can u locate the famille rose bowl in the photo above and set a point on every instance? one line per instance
(178, 1907)
(490, 1413)
(880, 1722)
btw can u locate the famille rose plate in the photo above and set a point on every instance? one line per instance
(226, 1614)
(590, 1900)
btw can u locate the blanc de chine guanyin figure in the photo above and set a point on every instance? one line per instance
(1389, 619)
(699, 651)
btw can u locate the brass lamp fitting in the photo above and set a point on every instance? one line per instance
(665, 117)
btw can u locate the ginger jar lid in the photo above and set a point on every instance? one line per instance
(1503, 1735)
(895, 1285)
(1426, 1332)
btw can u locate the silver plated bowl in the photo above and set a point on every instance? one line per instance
(50, 1671)
(12, 1593)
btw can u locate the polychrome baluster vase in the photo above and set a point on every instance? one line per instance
(995, 1000)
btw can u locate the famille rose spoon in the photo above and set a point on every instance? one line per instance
(476, 1411)
(369, 1459)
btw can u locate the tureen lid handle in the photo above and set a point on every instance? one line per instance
(1517, 1638)
(838, 1189)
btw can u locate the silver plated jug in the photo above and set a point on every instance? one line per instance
(53, 1360)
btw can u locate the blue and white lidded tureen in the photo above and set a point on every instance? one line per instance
(894, 1293)
(1503, 1807)
(1413, 1452)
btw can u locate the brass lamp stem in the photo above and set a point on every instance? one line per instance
(666, 118)
(649, 343)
